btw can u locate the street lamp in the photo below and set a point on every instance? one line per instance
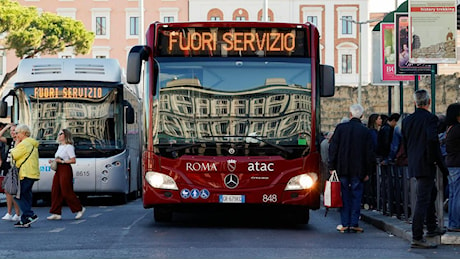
(359, 23)
(141, 22)
(265, 11)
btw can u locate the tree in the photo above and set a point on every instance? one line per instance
(30, 34)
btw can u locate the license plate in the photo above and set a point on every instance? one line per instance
(231, 198)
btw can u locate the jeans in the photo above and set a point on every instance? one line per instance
(352, 193)
(454, 197)
(25, 201)
(425, 211)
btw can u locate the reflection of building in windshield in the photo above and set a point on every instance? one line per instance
(88, 122)
(275, 110)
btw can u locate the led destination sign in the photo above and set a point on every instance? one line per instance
(232, 41)
(238, 41)
(68, 92)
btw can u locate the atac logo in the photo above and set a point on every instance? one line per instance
(231, 165)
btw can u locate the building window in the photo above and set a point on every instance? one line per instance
(100, 52)
(168, 19)
(240, 15)
(347, 64)
(347, 25)
(101, 25)
(313, 20)
(215, 15)
(101, 22)
(134, 25)
(169, 14)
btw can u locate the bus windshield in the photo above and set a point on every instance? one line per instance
(234, 100)
(90, 112)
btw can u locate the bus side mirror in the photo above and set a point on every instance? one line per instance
(136, 55)
(4, 104)
(129, 113)
(3, 109)
(327, 80)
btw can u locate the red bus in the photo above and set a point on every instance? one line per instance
(231, 112)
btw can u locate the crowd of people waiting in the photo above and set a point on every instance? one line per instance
(418, 142)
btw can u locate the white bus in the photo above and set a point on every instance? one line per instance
(88, 97)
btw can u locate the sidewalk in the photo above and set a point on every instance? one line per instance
(403, 229)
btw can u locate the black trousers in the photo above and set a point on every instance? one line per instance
(425, 211)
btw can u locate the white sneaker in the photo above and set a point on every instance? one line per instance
(8, 216)
(80, 213)
(54, 217)
(16, 218)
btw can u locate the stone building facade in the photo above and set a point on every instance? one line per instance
(375, 99)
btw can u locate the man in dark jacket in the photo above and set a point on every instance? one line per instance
(351, 154)
(420, 139)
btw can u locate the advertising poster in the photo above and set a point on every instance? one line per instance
(403, 65)
(389, 54)
(432, 30)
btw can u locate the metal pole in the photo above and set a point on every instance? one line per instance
(389, 99)
(360, 65)
(141, 22)
(433, 88)
(401, 98)
(265, 11)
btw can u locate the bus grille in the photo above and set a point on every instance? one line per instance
(47, 69)
(79, 69)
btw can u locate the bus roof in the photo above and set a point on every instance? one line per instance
(75, 69)
(245, 24)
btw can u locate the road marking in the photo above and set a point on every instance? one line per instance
(107, 210)
(78, 221)
(135, 222)
(56, 230)
(95, 215)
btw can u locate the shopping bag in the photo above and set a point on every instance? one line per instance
(11, 181)
(332, 192)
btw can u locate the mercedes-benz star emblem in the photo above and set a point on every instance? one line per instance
(231, 181)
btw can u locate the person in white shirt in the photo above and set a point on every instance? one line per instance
(62, 188)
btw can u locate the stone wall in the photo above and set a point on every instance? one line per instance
(375, 99)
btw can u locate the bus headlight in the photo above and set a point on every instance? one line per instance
(160, 181)
(302, 182)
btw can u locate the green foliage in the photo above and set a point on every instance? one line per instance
(13, 16)
(30, 34)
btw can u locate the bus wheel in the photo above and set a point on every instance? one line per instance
(121, 198)
(162, 214)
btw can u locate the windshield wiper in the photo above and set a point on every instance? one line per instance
(91, 146)
(279, 147)
(183, 147)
